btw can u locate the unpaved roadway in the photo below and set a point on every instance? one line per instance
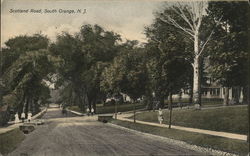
(84, 136)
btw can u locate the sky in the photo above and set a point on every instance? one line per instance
(125, 17)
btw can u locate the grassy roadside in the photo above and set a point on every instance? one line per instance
(208, 141)
(10, 140)
(226, 119)
(111, 109)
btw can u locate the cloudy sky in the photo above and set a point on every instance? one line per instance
(125, 17)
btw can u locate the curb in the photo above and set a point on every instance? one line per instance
(206, 151)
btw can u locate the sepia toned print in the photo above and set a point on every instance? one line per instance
(124, 78)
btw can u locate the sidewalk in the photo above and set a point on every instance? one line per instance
(123, 117)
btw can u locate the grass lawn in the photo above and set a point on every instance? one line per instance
(111, 109)
(10, 140)
(208, 141)
(227, 119)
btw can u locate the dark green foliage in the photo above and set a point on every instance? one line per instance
(26, 64)
(169, 59)
(20, 45)
(128, 72)
(228, 49)
(84, 56)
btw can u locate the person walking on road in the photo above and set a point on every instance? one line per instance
(160, 116)
(87, 111)
(23, 117)
(92, 111)
(16, 118)
(29, 116)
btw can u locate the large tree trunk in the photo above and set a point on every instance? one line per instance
(247, 91)
(115, 110)
(36, 106)
(26, 107)
(226, 97)
(161, 100)
(236, 95)
(147, 101)
(30, 104)
(86, 101)
(190, 100)
(196, 84)
(81, 102)
(82, 99)
(94, 106)
(21, 105)
(33, 107)
(196, 67)
(24, 104)
(89, 103)
(134, 112)
(246, 95)
(180, 99)
(1, 93)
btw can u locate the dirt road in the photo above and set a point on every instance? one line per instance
(84, 136)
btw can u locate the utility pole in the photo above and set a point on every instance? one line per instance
(115, 109)
(134, 112)
(170, 108)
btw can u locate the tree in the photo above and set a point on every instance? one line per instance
(127, 74)
(84, 55)
(19, 45)
(169, 60)
(168, 66)
(188, 18)
(26, 64)
(228, 49)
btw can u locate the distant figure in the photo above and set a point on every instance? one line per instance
(92, 111)
(23, 117)
(64, 111)
(16, 118)
(160, 116)
(29, 116)
(87, 111)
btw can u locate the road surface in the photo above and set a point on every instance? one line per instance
(84, 136)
